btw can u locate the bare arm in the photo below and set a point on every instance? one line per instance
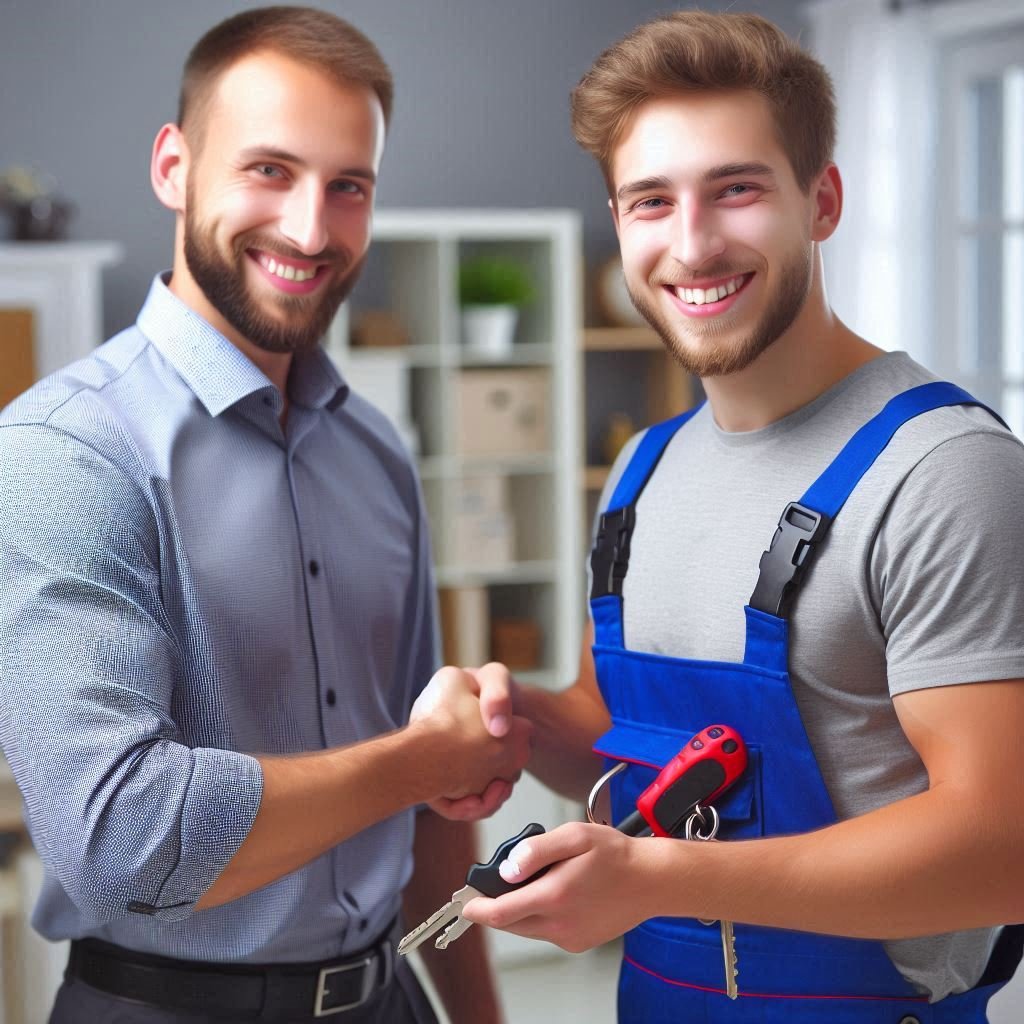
(566, 724)
(312, 802)
(945, 859)
(462, 974)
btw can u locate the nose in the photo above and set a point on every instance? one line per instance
(303, 219)
(696, 237)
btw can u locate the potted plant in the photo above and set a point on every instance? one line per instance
(491, 293)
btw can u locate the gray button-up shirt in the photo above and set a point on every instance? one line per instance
(183, 585)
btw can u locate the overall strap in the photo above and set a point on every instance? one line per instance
(609, 561)
(805, 522)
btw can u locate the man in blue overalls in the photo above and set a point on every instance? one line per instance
(872, 660)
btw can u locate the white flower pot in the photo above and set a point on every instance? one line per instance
(488, 331)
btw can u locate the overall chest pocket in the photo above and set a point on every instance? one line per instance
(646, 749)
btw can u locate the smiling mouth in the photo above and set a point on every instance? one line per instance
(713, 293)
(288, 271)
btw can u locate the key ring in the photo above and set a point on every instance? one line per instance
(595, 792)
(698, 815)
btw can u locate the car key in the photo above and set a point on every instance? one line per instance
(481, 880)
(709, 763)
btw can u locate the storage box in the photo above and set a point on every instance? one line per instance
(482, 540)
(502, 412)
(516, 643)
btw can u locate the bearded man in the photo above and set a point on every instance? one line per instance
(213, 558)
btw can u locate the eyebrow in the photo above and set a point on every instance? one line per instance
(275, 153)
(751, 169)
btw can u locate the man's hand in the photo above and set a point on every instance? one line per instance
(478, 733)
(600, 887)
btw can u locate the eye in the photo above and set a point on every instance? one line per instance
(267, 170)
(347, 188)
(654, 203)
(740, 190)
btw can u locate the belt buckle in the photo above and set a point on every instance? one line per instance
(369, 981)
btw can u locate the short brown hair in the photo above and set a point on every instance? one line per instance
(693, 50)
(308, 36)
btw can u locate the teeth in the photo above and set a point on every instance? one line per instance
(702, 296)
(288, 273)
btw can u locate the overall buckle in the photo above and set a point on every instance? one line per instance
(610, 558)
(785, 561)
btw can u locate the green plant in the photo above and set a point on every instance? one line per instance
(494, 282)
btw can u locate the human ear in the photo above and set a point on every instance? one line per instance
(168, 168)
(615, 214)
(827, 193)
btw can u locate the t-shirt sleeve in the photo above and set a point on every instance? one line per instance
(947, 572)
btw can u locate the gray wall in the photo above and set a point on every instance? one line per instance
(481, 115)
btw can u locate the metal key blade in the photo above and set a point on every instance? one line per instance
(452, 932)
(447, 915)
(729, 956)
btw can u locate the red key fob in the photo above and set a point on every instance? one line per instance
(708, 765)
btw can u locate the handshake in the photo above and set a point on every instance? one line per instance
(481, 744)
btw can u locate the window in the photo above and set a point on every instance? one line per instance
(980, 225)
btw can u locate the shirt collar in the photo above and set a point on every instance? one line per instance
(216, 371)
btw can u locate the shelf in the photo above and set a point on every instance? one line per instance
(522, 354)
(442, 467)
(517, 572)
(613, 339)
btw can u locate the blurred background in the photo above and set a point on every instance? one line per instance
(481, 170)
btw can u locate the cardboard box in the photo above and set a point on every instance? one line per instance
(516, 643)
(479, 539)
(481, 495)
(502, 412)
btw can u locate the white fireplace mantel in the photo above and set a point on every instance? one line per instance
(60, 282)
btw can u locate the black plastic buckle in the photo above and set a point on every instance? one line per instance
(610, 557)
(782, 565)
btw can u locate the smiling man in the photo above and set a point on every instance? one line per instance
(866, 645)
(214, 558)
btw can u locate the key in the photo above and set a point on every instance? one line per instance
(729, 959)
(447, 923)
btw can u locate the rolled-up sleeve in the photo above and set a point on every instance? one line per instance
(126, 816)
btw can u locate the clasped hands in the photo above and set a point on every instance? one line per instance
(596, 890)
(485, 744)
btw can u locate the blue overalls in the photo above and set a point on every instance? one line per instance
(672, 967)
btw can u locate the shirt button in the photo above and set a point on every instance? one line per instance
(909, 1020)
(332, 698)
(267, 400)
(314, 568)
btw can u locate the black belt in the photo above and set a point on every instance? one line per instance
(240, 990)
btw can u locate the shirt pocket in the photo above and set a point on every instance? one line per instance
(646, 749)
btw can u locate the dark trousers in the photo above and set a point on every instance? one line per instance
(401, 1002)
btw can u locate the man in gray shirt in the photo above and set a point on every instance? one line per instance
(880, 694)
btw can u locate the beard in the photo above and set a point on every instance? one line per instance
(303, 319)
(700, 347)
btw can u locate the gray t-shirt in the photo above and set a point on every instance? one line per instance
(919, 583)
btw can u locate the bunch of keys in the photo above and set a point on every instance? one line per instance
(675, 803)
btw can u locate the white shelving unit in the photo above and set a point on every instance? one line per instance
(412, 271)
